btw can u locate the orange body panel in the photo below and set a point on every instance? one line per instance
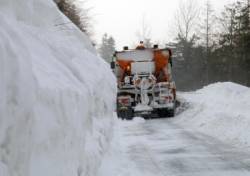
(125, 65)
(125, 68)
(161, 62)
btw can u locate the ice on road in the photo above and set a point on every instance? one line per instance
(162, 148)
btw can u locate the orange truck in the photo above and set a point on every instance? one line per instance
(145, 83)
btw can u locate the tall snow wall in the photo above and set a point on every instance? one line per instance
(56, 96)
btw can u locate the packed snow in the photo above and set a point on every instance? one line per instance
(57, 97)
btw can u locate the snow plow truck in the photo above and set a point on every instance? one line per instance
(145, 85)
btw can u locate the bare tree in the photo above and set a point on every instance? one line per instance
(206, 34)
(228, 26)
(144, 34)
(85, 16)
(186, 17)
(78, 12)
(209, 23)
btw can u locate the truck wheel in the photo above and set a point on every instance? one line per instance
(126, 114)
(171, 112)
(166, 113)
(162, 113)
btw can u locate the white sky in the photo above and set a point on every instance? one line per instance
(122, 18)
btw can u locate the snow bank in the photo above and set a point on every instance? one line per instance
(56, 96)
(221, 110)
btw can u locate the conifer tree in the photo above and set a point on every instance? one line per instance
(107, 47)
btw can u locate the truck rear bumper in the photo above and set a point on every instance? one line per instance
(164, 106)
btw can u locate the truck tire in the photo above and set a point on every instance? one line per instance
(125, 114)
(162, 113)
(166, 113)
(171, 112)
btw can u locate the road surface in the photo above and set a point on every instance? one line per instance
(162, 148)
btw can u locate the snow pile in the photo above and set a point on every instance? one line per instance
(56, 96)
(221, 110)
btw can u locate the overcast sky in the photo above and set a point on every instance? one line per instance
(123, 18)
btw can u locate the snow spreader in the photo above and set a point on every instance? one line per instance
(145, 85)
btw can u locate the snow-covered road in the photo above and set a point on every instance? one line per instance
(162, 148)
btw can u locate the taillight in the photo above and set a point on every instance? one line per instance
(166, 99)
(124, 101)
